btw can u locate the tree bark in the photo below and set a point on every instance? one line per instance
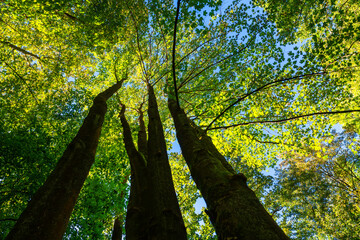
(153, 209)
(233, 207)
(47, 214)
(117, 230)
(119, 219)
(137, 214)
(169, 223)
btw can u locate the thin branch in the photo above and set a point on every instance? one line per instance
(24, 81)
(217, 62)
(20, 49)
(137, 40)
(197, 90)
(8, 219)
(184, 57)
(263, 142)
(257, 90)
(116, 76)
(75, 19)
(275, 211)
(174, 52)
(284, 119)
(199, 46)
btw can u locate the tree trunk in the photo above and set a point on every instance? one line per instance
(137, 215)
(119, 220)
(169, 223)
(153, 204)
(47, 214)
(117, 230)
(233, 208)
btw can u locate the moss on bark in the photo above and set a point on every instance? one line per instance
(233, 208)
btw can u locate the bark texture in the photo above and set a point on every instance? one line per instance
(153, 209)
(47, 214)
(233, 208)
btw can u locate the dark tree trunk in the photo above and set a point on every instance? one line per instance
(233, 208)
(119, 220)
(137, 214)
(169, 223)
(153, 210)
(47, 214)
(117, 230)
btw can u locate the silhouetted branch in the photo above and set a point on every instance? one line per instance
(217, 62)
(284, 119)
(257, 90)
(20, 49)
(24, 81)
(174, 52)
(8, 219)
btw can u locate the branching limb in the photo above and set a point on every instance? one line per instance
(137, 40)
(116, 76)
(128, 140)
(142, 137)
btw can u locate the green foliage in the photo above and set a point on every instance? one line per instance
(316, 196)
(23, 154)
(197, 225)
(234, 72)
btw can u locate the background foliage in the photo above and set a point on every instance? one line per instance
(264, 78)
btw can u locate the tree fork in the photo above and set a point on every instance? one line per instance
(153, 209)
(137, 216)
(233, 207)
(47, 214)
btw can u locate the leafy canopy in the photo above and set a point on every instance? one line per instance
(240, 74)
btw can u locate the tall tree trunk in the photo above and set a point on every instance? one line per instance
(152, 193)
(137, 215)
(233, 208)
(47, 214)
(117, 230)
(119, 219)
(169, 223)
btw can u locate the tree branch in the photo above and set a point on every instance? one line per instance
(174, 52)
(284, 119)
(8, 219)
(142, 63)
(257, 90)
(24, 81)
(217, 62)
(20, 49)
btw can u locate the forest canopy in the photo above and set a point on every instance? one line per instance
(273, 84)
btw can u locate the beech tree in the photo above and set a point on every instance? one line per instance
(236, 88)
